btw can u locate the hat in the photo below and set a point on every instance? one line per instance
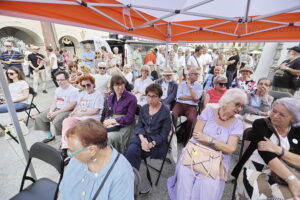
(35, 47)
(295, 48)
(247, 68)
(167, 71)
(102, 64)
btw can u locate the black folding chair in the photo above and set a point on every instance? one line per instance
(30, 106)
(174, 122)
(244, 145)
(43, 188)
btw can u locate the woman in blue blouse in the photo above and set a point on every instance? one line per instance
(120, 115)
(91, 159)
(151, 132)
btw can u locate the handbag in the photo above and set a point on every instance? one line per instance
(274, 177)
(204, 160)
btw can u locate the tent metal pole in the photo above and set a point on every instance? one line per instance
(276, 13)
(45, 2)
(152, 8)
(247, 11)
(221, 32)
(268, 29)
(274, 22)
(209, 16)
(154, 20)
(14, 117)
(106, 5)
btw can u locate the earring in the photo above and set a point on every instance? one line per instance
(94, 159)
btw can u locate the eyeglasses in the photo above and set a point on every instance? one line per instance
(86, 85)
(101, 67)
(98, 53)
(239, 105)
(60, 80)
(266, 84)
(119, 84)
(8, 46)
(222, 84)
(10, 73)
(152, 97)
(196, 74)
(72, 154)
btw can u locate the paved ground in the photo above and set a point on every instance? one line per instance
(12, 162)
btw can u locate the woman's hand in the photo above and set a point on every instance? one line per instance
(109, 122)
(294, 187)
(268, 145)
(201, 137)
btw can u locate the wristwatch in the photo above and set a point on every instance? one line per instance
(292, 177)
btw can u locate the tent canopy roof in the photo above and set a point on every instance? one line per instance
(171, 20)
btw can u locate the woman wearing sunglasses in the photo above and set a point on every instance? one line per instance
(18, 88)
(216, 129)
(214, 95)
(91, 161)
(89, 105)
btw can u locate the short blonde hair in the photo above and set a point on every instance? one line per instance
(220, 79)
(146, 67)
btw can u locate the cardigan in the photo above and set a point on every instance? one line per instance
(259, 131)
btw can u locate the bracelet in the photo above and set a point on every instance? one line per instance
(292, 177)
(211, 142)
(282, 152)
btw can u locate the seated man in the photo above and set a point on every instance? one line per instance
(188, 95)
(209, 81)
(169, 87)
(63, 103)
(259, 101)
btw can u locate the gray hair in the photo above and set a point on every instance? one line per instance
(146, 67)
(293, 106)
(231, 95)
(220, 79)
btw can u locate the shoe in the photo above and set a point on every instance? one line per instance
(48, 139)
(44, 91)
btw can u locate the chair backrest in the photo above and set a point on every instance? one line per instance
(174, 119)
(138, 109)
(137, 182)
(47, 154)
(31, 91)
(278, 94)
(246, 140)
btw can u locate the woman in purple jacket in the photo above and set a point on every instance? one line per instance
(120, 116)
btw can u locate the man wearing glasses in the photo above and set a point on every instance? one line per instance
(188, 95)
(63, 103)
(10, 57)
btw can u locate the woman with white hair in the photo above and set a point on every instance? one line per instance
(141, 84)
(214, 95)
(216, 129)
(127, 73)
(270, 166)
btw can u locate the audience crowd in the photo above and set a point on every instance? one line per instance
(113, 116)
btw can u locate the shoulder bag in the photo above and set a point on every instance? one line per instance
(204, 160)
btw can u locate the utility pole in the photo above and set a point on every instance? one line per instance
(49, 34)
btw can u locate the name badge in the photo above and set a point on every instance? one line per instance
(295, 141)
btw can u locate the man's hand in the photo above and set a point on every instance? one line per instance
(36, 69)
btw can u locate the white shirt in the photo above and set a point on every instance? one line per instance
(207, 59)
(193, 61)
(102, 82)
(140, 86)
(26, 53)
(86, 102)
(284, 144)
(164, 87)
(160, 60)
(64, 97)
(16, 90)
(180, 61)
(129, 77)
(53, 57)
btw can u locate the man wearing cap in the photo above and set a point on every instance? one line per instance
(169, 88)
(36, 62)
(188, 95)
(286, 78)
(102, 79)
(10, 57)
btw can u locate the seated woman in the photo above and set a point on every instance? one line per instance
(245, 82)
(214, 95)
(91, 160)
(264, 155)
(152, 130)
(120, 116)
(259, 101)
(74, 73)
(89, 105)
(141, 84)
(18, 88)
(218, 129)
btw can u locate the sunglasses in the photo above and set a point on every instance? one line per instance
(86, 85)
(101, 67)
(10, 73)
(98, 53)
(222, 84)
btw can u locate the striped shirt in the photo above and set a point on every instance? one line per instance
(15, 55)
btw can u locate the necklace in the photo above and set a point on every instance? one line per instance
(224, 120)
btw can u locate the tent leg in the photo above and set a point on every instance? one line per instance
(14, 117)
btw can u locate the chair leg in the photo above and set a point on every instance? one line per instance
(160, 171)
(234, 189)
(37, 109)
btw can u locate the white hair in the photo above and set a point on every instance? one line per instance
(293, 106)
(220, 79)
(231, 95)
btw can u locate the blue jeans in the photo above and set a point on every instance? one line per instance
(18, 106)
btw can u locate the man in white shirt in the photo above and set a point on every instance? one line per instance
(64, 102)
(207, 60)
(102, 79)
(160, 59)
(52, 61)
(197, 61)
